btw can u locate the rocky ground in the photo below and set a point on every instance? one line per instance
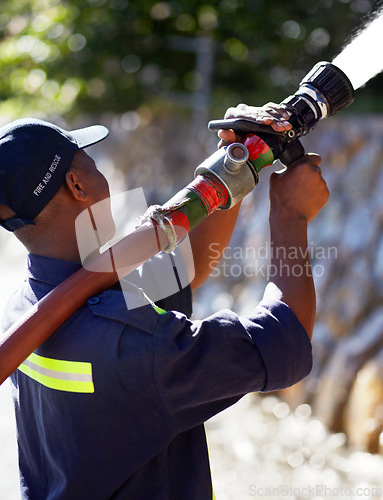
(261, 448)
(9, 482)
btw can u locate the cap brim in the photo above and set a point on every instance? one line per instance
(89, 135)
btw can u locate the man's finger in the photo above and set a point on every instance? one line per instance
(280, 126)
(227, 135)
(279, 110)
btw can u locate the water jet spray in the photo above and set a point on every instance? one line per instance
(356, 59)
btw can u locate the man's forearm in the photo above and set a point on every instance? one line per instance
(290, 277)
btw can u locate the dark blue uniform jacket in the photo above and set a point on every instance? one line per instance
(112, 405)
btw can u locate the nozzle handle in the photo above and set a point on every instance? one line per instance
(292, 153)
(243, 126)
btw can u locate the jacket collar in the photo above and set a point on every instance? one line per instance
(113, 303)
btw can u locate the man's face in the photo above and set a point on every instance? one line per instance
(97, 189)
(96, 183)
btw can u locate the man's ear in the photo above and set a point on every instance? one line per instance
(75, 186)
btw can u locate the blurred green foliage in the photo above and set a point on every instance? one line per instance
(96, 56)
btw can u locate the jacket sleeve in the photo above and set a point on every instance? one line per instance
(202, 367)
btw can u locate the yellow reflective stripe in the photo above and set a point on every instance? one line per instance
(60, 365)
(71, 376)
(213, 495)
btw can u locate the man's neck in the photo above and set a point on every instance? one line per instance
(58, 246)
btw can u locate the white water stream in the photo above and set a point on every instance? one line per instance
(362, 58)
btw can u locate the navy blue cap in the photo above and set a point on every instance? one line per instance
(34, 158)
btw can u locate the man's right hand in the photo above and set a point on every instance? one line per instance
(296, 196)
(300, 191)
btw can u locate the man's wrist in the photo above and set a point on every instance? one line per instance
(282, 220)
